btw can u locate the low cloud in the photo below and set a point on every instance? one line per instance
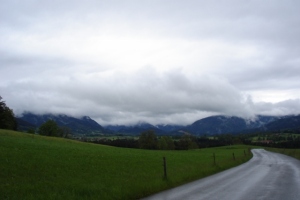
(145, 95)
(287, 107)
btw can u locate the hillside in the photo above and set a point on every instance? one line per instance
(230, 124)
(39, 167)
(84, 125)
(287, 123)
(24, 125)
(216, 125)
(140, 127)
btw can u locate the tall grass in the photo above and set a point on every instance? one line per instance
(38, 167)
(290, 152)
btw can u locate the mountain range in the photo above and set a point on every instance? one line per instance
(230, 124)
(207, 126)
(143, 126)
(84, 125)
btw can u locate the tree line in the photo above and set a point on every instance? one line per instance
(149, 140)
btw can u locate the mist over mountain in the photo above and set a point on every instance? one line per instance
(135, 129)
(207, 126)
(217, 125)
(169, 127)
(230, 124)
(285, 123)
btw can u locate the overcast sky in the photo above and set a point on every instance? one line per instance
(159, 61)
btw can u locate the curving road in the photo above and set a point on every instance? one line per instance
(266, 176)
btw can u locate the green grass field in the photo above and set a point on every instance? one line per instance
(38, 167)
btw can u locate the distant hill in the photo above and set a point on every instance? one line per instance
(287, 123)
(230, 124)
(207, 126)
(135, 129)
(216, 125)
(84, 125)
(169, 127)
(24, 125)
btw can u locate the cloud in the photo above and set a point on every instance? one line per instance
(287, 107)
(120, 97)
(126, 61)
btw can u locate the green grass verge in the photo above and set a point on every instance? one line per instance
(289, 152)
(39, 167)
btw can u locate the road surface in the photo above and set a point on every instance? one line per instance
(266, 176)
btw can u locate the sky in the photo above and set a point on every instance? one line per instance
(157, 61)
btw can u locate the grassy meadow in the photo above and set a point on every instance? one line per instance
(39, 167)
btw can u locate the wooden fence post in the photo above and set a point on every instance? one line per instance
(165, 167)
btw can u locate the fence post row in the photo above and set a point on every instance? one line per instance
(214, 157)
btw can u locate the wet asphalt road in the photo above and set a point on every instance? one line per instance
(267, 175)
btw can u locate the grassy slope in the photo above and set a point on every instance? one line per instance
(37, 167)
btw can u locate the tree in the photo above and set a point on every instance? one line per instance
(49, 128)
(7, 117)
(148, 140)
(64, 131)
(187, 142)
(166, 143)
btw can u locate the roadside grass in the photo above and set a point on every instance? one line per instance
(289, 152)
(39, 167)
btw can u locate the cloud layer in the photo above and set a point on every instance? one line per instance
(158, 61)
